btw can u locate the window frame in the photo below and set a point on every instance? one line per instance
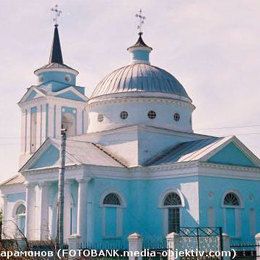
(232, 206)
(151, 116)
(119, 214)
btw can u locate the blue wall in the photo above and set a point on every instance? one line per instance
(218, 187)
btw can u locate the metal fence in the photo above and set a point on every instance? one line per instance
(245, 250)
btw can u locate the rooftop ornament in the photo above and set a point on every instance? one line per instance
(57, 12)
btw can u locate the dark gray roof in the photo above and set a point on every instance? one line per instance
(55, 66)
(56, 54)
(140, 43)
(139, 77)
(56, 59)
(187, 151)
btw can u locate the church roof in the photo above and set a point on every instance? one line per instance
(77, 153)
(17, 179)
(54, 65)
(140, 77)
(203, 150)
(56, 59)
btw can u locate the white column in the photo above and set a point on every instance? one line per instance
(43, 211)
(67, 207)
(172, 245)
(135, 244)
(58, 120)
(257, 242)
(30, 195)
(82, 210)
(23, 131)
(226, 245)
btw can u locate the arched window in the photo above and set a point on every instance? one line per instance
(68, 122)
(112, 215)
(20, 218)
(231, 204)
(173, 203)
(111, 199)
(231, 199)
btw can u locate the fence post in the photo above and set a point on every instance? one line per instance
(226, 246)
(172, 240)
(135, 245)
(257, 245)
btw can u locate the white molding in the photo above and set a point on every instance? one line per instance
(68, 70)
(70, 89)
(120, 195)
(165, 193)
(179, 170)
(239, 195)
(15, 207)
(238, 144)
(140, 97)
(27, 94)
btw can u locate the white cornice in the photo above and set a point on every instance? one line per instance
(177, 170)
(138, 99)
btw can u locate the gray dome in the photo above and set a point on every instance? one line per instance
(139, 77)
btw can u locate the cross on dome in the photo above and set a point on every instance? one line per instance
(141, 19)
(56, 12)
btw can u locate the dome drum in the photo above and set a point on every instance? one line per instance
(152, 112)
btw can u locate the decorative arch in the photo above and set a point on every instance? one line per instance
(112, 199)
(68, 122)
(115, 192)
(229, 196)
(171, 191)
(16, 206)
(231, 206)
(19, 215)
(172, 201)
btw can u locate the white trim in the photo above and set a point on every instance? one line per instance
(238, 144)
(16, 206)
(70, 89)
(118, 193)
(238, 194)
(168, 191)
(68, 70)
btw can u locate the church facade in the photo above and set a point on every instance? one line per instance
(133, 162)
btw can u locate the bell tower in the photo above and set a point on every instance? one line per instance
(55, 102)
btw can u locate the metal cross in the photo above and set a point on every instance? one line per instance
(141, 18)
(57, 14)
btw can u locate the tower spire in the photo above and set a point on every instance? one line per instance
(56, 54)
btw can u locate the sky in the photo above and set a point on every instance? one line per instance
(211, 46)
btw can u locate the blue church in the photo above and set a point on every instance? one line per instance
(133, 161)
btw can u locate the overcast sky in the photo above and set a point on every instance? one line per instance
(211, 46)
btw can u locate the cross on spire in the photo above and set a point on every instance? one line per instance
(56, 12)
(141, 19)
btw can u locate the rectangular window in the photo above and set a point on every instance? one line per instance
(71, 221)
(252, 222)
(231, 222)
(211, 217)
(173, 220)
(33, 130)
(110, 222)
